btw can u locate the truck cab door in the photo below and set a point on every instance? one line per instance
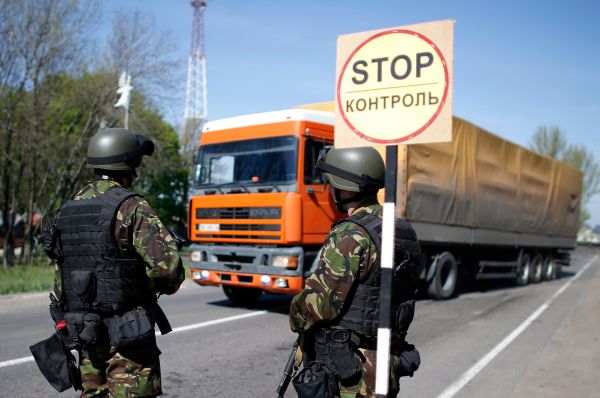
(318, 209)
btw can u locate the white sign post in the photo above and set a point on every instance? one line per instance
(394, 86)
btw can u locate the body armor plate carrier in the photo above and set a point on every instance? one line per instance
(362, 315)
(96, 277)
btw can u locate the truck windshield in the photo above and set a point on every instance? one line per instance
(265, 160)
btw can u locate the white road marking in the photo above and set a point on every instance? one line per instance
(215, 321)
(199, 325)
(18, 361)
(466, 377)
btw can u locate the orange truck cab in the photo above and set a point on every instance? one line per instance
(260, 211)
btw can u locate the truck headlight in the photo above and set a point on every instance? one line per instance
(199, 275)
(195, 256)
(289, 262)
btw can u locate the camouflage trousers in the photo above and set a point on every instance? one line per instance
(106, 372)
(364, 387)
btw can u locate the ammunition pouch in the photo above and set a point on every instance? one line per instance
(131, 329)
(84, 286)
(337, 348)
(410, 360)
(56, 363)
(316, 381)
(83, 329)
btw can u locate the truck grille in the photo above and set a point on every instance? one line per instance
(224, 236)
(250, 227)
(233, 213)
(237, 213)
(240, 230)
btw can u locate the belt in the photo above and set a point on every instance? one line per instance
(336, 334)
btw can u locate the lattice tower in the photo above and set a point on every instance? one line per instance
(195, 96)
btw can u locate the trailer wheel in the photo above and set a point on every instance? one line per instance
(443, 284)
(535, 276)
(523, 268)
(242, 296)
(549, 268)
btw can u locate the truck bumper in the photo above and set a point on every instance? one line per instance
(252, 267)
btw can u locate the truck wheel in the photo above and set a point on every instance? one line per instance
(443, 284)
(242, 296)
(523, 268)
(535, 276)
(549, 268)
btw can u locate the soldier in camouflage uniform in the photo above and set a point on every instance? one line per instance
(106, 371)
(348, 255)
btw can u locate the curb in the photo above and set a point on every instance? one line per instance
(23, 296)
(15, 297)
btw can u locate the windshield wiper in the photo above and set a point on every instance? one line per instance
(271, 184)
(210, 187)
(241, 184)
(231, 184)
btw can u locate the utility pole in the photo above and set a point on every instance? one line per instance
(125, 90)
(195, 96)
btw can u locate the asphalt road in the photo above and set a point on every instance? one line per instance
(495, 340)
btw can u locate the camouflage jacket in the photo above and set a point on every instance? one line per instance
(348, 254)
(138, 228)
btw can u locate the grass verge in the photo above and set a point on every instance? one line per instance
(39, 276)
(23, 278)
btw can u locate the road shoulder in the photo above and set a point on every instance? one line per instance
(567, 367)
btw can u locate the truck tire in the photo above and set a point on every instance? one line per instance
(523, 268)
(443, 283)
(535, 275)
(549, 268)
(242, 296)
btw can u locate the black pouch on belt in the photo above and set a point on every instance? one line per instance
(315, 381)
(410, 360)
(83, 328)
(132, 328)
(337, 348)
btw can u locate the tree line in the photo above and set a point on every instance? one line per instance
(552, 142)
(58, 86)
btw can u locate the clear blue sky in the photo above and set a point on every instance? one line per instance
(517, 64)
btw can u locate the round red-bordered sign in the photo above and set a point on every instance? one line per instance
(421, 127)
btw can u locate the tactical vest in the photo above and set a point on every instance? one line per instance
(95, 276)
(362, 313)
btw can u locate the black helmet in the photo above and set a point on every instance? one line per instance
(352, 169)
(117, 149)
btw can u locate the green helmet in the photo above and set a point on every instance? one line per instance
(117, 149)
(352, 169)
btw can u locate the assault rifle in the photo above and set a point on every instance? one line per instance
(289, 371)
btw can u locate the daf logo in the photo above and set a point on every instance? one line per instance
(265, 212)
